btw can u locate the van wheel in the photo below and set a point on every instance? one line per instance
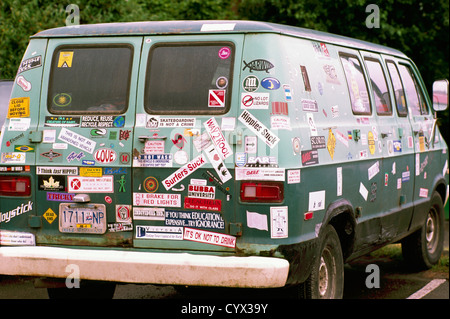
(87, 290)
(326, 280)
(423, 248)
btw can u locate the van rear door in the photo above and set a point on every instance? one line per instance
(84, 141)
(183, 154)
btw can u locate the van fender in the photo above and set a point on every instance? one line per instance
(341, 215)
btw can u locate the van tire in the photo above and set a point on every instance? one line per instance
(422, 249)
(326, 280)
(87, 290)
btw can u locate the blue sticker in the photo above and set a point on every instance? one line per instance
(270, 84)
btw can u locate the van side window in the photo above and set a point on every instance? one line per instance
(356, 85)
(192, 78)
(398, 89)
(90, 79)
(379, 87)
(414, 96)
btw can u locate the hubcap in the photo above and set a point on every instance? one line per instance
(323, 277)
(431, 231)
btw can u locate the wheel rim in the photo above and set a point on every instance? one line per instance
(431, 231)
(323, 277)
(327, 274)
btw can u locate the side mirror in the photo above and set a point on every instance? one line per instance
(440, 95)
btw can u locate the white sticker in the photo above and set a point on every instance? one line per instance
(49, 136)
(311, 124)
(339, 181)
(159, 232)
(19, 124)
(228, 123)
(399, 183)
(251, 143)
(279, 222)
(207, 237)
(363, 191)
(77, 140)
(255, 101)
(184, 171)
(157, 199)
(148, 213)
(218, 139)
(13, 157)
(256, 220)
(78, 184)
(259, 129)
(316, 201)
(423, 192)
(279, 122)
(218, 164)
(293, 176)
(260, 173)
(373, 170)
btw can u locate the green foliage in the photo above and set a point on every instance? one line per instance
(417, 28)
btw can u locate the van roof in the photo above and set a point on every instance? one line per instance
(208, 26)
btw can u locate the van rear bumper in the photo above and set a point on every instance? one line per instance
(145, 267)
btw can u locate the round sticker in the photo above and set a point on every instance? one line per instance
(62, 99)
(181, 157)
(250, 83)
(224, 53)
(150, 184)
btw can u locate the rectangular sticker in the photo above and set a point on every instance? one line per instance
(261, 173)
(53, 170)
(157, 199)
(218, 164)
(184, 171)
(77, 184)
(256, 220)
(293, 176)
(19, 107)
(218, 139)
(373, 170)
(363, 191)
(203, 204)
(148, 213)
(279, 222)
(316, 201)
(153, 160)
(195, 219)
(202, 236)
(159, 232)
(266, 135)
(77, 140)
(255, 101)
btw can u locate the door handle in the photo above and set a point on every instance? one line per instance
(143, 138)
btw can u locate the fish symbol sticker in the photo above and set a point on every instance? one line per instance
(258, 65)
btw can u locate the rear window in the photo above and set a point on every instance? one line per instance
(90, 79)
(357, 86)
(193, 78)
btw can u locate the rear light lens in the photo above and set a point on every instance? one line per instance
(15, 186)
(262, 192)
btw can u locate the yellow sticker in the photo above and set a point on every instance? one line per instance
(65, 59)
(50, 215)
(19, 107)
(331, 144)
(91, 171)
(371, 142)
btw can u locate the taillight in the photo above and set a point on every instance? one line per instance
(262, 192)
(15, 186)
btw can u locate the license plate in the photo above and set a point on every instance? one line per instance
(90, 218)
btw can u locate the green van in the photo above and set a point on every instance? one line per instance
(216, 153)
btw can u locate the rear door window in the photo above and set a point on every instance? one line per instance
(193, 78)
(379, 87)
(90, 79)
(356, 85)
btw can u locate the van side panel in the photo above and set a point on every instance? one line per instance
(18, 140)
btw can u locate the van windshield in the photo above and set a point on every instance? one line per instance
(189, 78)
(87, 80)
